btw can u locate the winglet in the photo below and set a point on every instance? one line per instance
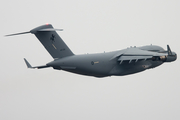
(17, 34)
(37, 67)
(169, 50)
(27, 63)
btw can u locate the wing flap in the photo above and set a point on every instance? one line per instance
(134, 58)
(131, 58)
(135, 54)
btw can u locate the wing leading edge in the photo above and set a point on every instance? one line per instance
(135, 54)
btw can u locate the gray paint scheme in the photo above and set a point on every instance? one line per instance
(118, 63)
(52, 41)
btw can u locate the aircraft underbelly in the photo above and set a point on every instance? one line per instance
(98, 69)
(126, 68)
(91, 65)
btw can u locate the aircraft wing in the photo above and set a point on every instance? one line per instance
(135, 54)
(134, 57)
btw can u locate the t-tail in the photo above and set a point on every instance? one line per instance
(53, 43)
(49, 38)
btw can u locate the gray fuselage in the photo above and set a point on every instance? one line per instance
(122, 62)
(103, 64)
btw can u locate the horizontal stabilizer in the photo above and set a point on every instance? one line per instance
(50, 29)
(18, 33)
(38, 67)
(39, 29)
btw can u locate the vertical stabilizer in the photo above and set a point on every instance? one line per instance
(53, 43)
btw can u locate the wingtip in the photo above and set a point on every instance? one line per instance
(17, 34)
(169, 50)
(27, 63)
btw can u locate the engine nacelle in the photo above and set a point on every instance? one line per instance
(171, 58)
(167, 58)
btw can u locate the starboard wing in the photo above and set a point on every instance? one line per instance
(135, 54)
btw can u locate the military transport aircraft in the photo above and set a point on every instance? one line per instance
(117, 63)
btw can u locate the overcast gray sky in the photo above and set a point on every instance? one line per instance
(90, 26)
